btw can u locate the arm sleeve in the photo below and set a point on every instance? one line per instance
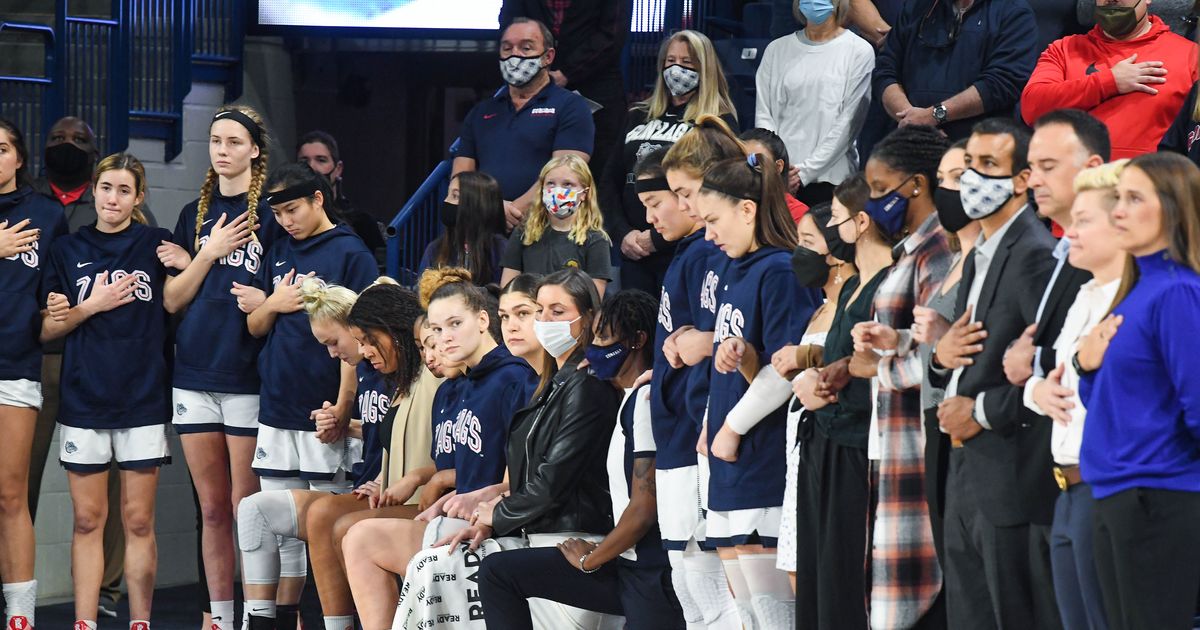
(1180, 352)
(838, 138)
(810, 356)
(576, 131)
(1175, 139)
(514, 253)
(597, 257)
(1049, 88)
(900, 372)
(766, 393)
(603, 44)
(1009, 62)
(643, 432)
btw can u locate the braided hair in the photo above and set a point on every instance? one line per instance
(914, 150)
(258, 173)
(391, 311)
(630, 316)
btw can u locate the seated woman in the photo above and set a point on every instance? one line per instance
(308, 514)
(603, 577)
(473, 214)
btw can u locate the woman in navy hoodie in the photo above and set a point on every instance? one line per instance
(29, 224)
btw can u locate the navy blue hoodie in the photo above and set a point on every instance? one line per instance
(22, 295)
(490, 396)
(297, 372)
(374, 400)
(444, 412)
(214, 350)
(762, 303)
(704, 304)
(114, 372)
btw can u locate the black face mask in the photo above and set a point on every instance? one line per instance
(810, 268)
(449, 213)
(838, 248)
(68, 161)
(950, 209)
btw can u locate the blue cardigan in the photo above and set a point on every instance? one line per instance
(1143, 420)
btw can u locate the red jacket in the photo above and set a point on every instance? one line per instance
(1076, 72)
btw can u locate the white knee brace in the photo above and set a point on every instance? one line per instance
(267, 531)
(770, 592)
(691, 611)
(710, 590)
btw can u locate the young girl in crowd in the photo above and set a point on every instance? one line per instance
(105, 295)
(697, 573)
(745, 215)
(473, 214)
(1138, 375)
(472, 431)
(565, 230)
(218, 244)
(766, 142)
(299, 378)
(29, 225)
(690, 85)
(901, 175)
(833, 496)
(814, 268)
(608, 580)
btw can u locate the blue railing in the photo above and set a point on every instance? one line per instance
(94, 74)
(219, 35)
(160, 70)
(31, 101)
(417, 224)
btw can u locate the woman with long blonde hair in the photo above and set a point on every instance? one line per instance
(690, 84)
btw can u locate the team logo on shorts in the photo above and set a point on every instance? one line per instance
(70, 448)
(260, 453)
(180, 410)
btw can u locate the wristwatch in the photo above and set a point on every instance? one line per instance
(940, 114)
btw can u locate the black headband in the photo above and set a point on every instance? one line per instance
(727, 192)
(243, 120)
(292, 193)
(651, 184)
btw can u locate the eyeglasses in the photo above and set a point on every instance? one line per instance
(951, 37)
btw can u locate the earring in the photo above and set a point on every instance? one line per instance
(916, 192)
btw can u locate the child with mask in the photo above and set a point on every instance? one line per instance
(565, 230)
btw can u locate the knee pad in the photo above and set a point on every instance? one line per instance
(691, 612)
(293, 558)
(772, 612)
(264, 515)
(710, 590)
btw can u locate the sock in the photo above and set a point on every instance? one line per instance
(139, 624)
(771, 594)
(287, 617)
(340, 622)
(741, 593)
(222, 614)
(692, 614)
(710, 590)
(264, 608)
(85, 624)
(259, 623)
(20, 600)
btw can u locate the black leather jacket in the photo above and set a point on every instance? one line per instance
(556, 458)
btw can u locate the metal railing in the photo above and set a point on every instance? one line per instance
(93, 75)
(160, 71)
(31, 102)
(417, 224)
(218, 36)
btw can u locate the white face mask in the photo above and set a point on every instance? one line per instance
(680, 80)
(519, 71)
(555, 337)
(984, 195)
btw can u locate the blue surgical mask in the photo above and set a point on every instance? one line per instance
(890, 209)
(605, 362)
(816, 11)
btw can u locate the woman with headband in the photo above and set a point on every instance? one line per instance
(218, 244)
(301, 383)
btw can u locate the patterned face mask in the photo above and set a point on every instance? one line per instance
(518, 71)
(680, 80)
(984, 195)
(562, 202)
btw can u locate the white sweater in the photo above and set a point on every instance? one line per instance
(815, 96)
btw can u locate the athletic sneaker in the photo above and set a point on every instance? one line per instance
(19, 622)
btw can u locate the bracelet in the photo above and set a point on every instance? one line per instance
(1079, 368)
(583, 567)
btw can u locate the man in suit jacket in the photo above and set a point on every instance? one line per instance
(999, 479)
(1064, 142)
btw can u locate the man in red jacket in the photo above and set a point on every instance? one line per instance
(1130, 71)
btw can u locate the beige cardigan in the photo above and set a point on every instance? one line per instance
(412, 432)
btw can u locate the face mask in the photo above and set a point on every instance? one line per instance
(838, 248)
(519, 71)
(889, 210)
(984, 195)
(1117, 21)
(815, 11)
(68, 160)
(680, 80)
(810, 268)
(449, 213)
(950, 209)
(605, 361)
(555, 337)
(562, 202)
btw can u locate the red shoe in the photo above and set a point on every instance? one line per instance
(19, 622)
(139, 625)
(81, 625)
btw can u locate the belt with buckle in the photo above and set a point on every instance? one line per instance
(1067, 476)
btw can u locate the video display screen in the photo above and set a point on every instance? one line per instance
(458, 15)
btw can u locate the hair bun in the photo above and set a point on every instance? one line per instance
(435, 278)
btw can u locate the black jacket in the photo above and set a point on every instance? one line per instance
(590, 38)
(557, 452)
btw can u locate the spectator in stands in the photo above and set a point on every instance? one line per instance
(771, 146)
(511, 134)
(1176, 14)
(1183, 133)
(473, 214)
(590, 35)
(813, 90)
(319, 151)
(690, 84)
(1130, 72)
(954, 62)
